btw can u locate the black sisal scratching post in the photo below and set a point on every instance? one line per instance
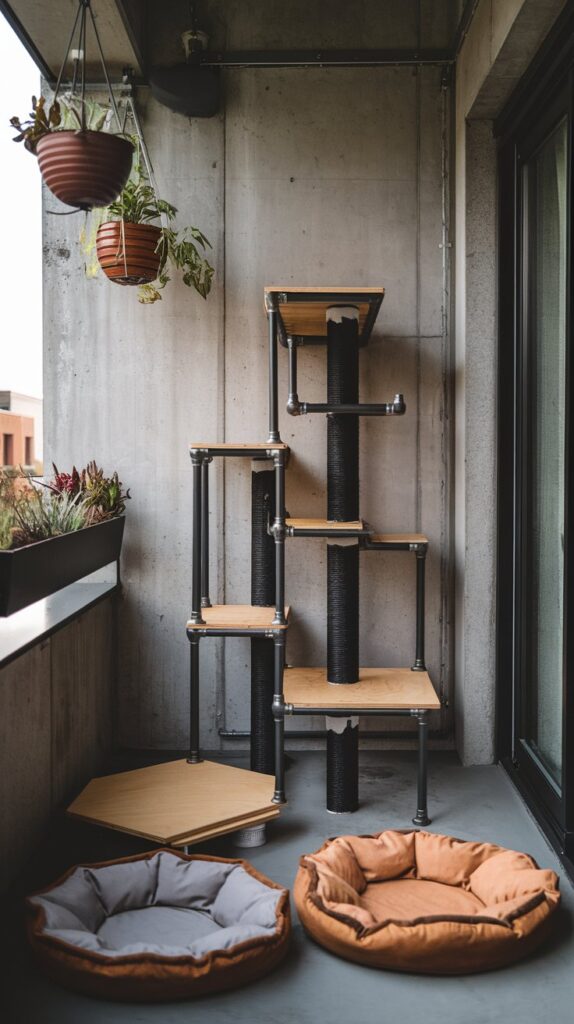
(262, 593)
(342, 557)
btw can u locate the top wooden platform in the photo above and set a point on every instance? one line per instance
(378, 688)
(303, 310)
(258, 448)
(397, 540)
(223, 618)
(324, 527)
(177, 802)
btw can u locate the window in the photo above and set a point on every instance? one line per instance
(8, 449)
(29, 451)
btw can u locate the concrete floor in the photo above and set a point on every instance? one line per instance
(313, 986)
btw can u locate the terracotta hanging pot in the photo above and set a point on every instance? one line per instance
(84, 169)
(127, 252)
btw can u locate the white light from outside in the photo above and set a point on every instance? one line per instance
(21, 220)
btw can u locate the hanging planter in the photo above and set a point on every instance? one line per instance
(82, 165)
(84, 168)
(128, 253)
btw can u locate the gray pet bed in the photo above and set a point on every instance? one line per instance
(160, 926)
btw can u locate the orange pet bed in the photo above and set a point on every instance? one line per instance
(160, 926)
(415, 901)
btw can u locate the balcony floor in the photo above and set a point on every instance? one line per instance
(312, 985)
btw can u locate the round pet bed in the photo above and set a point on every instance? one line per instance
(415, 901)
(159, 926)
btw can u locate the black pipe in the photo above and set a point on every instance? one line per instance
(419, 665)
(342, 560)
(394, 408)
(273, 368)
(194, 755)
(421, 817)
(205, 600)
(196, 465)
(279, 717)
(262, 593)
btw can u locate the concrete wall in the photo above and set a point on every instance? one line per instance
(503, 38)
(310, 177)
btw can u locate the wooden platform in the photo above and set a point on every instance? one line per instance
(225, 447)
(302, 310)
(326, 526)
(177, 802)
(398, 538)
(238, 616)
(392, 688)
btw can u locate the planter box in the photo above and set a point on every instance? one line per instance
(30, 573)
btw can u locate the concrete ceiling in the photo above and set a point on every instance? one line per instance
(48, 26)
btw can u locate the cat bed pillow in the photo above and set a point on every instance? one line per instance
(416, 901)
(159, 927)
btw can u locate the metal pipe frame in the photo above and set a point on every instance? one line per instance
(295, 407)
(420, 551)
(278, 708)
(421, 817)
(273, 370)
(421, 557)
(205, 599)
(194, 756)
(324, 58)
(395, 408)
(196, 566)
(278, 530)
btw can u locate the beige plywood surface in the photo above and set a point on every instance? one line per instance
(338, 289)
(392, 688)
(309, 317)
(399, 538)
(324, 524)
(168, 802)
(274, 446)
(238, 616)
(222, 830)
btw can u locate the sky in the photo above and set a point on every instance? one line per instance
(21, 248)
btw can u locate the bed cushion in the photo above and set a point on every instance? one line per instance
(417, 901)
(159, 926)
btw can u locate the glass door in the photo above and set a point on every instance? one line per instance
(536, 482)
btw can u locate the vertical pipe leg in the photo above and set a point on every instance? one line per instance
(273, 391)
(196, 463)
(194, 753)
(279, 717)
(421, 817)
(279, 535)
(419, 665)
(293, 397)
(262, 593)
(205, 600)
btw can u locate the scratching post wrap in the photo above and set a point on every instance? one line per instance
(262, 593)
(342, 558)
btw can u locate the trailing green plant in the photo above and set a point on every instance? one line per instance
(71, 114)
(32, 511)
(183, 250)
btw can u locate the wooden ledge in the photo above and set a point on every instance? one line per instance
(390, 688)
(240, 446)
(302, 309)
(398, 538)
(177, 802)
(238, 616)
(324, 526)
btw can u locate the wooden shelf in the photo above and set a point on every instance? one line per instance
(302, 310)
(391, 688)
(222, 830)
(238, 616)
(177, 802)
(239, 448)
(398, 538)
(324, 526)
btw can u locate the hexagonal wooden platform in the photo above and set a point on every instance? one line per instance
(177, 803)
